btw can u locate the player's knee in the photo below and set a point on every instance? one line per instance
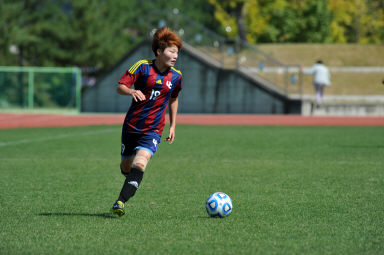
(125, 169)
(140, 162)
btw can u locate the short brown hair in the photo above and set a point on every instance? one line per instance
(163, 38)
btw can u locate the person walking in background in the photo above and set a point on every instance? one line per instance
(321, 78)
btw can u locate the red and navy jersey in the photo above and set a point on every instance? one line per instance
(149, 115)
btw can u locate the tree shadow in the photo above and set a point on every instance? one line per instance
(100, 215)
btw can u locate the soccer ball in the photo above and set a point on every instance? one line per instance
(219, 204)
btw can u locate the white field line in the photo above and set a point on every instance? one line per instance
(49, 138)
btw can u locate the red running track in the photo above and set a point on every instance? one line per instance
(18, 120)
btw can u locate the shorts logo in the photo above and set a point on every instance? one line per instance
(154, 142)
(122, 148)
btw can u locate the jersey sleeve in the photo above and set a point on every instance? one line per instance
(177, 89)
(131, 75)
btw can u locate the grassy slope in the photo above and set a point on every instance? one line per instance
(308, 190)
(337, 55)
(331, 54)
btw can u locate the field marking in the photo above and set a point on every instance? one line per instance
(49, 138)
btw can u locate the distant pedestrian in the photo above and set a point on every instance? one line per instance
(321, 78)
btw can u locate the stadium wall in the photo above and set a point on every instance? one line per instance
(207, 88)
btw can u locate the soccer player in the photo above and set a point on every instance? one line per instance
(156, 85)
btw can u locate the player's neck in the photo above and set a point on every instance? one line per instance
(161, 66)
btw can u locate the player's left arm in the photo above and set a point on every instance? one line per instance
(173, 105)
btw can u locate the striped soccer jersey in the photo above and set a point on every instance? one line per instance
(149, 115)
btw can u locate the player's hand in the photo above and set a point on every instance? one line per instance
(137, 95)
(171, 136)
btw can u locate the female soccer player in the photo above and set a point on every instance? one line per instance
(156, 85)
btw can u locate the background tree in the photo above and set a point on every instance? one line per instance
(341, 19)
(99, 33)
(22, 23)
(84, 33)
(224, 12)
(357, 21)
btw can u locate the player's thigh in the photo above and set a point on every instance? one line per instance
(141, 159)
(126, 164)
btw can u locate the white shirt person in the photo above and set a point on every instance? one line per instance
(321, 78)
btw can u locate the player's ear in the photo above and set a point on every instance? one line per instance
(159, 51)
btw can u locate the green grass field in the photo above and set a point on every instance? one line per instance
(295, 190)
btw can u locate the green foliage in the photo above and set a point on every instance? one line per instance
(359, 21)
(198, 10)
(54, 90)
(13, 88)
(321, 21)
(295, 190)
(229, 13)
(281, 21)
(98, 33)
(82, 33)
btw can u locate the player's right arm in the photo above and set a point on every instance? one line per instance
(128, 79)
(137, 95)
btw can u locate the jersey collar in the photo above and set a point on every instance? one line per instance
(157, 70)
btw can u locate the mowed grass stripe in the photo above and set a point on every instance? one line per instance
(295, 190)
(55, 137)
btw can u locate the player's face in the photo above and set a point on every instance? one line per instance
(169, 56)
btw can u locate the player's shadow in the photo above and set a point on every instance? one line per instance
(100, 215)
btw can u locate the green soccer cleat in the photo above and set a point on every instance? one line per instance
(118, 208)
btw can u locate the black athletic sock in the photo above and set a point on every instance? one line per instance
(131, 184)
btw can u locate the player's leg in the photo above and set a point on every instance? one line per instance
(318, 94)
(146, 146)
(126, 164)
(125, 167)
(141, 159)
(128, 144)
(135, 175)
(321, 92)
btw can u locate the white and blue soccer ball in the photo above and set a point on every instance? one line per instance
(219, 204)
